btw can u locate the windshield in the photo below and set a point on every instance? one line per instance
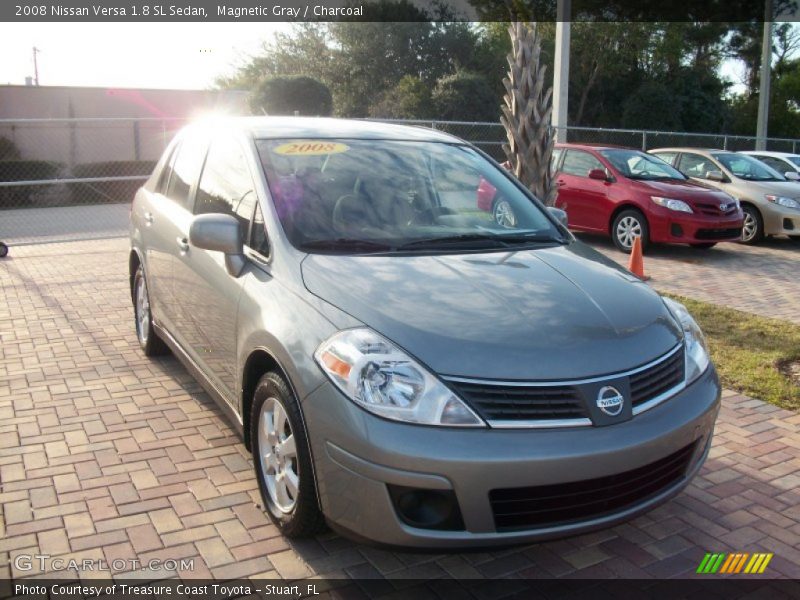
(638, 165)
(362, 196)
(747, 167)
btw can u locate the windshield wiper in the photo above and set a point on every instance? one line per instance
(465, 239)
(344, 245)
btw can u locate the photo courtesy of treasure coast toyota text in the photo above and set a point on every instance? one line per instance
(391, 299)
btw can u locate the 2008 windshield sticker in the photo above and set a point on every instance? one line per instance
(311, 148)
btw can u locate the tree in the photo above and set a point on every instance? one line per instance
(526, 114)
(287, 95)
(8, 149)
(409, 99)
(465, 96)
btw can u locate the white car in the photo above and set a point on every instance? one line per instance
(783, 162)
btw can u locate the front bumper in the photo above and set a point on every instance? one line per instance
(780, 220)
(357, 454)
(678, 228)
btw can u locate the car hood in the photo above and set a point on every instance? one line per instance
(554, 313)
(778, 188)
(682, 190)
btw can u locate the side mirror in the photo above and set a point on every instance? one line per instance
(599, 174)
(792, 175)
(220, 233)
(560, 215)
(716, 176)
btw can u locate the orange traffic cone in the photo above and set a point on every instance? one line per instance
(636, 263)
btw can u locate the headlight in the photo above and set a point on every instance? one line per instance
(783, 201)
(697, 359)
(381, 378)
(672, 204)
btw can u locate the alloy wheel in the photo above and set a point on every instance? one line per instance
(142, 311)
(504, 214)
(628, 229)
(278, 455)
(750, 227)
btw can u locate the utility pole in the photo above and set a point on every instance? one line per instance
(766, 72)
(35, 66)
(561, 70)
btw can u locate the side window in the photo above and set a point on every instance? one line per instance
(258, 234)
(225, 185)
(185, 169)
(166, 171)
(775, 163)
(667, 157)
(578, 162)
(694, 165)
(554, 159)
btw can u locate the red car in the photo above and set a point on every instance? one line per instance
(627, 194)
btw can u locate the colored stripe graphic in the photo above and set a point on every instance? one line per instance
(734, 563)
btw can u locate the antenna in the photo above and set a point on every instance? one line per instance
(35, 66)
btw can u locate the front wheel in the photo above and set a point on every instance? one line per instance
(629, 225)
(504, 214)
(795, 238)
(704, 245)
(753, 227)
(282, 460)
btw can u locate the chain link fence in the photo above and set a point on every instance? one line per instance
(73, 179)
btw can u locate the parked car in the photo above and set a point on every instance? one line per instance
(770, 202)
(627, 194)
(783, 162)
(401, 365)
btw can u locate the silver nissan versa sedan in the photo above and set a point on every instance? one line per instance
(404, 366)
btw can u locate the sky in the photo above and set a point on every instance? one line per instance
(154, 55)
(136, 55)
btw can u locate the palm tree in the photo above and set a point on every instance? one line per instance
(526, 113)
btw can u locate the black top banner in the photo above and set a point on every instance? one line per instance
(399, 10)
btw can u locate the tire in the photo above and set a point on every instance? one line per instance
(3, 250)
(503, 214)
(627, 225)
(795, 238)
(151, 344)
(704, 245)
(285, 478)
(753, 227)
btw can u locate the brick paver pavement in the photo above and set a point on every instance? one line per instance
(107, 454)
(763, 279)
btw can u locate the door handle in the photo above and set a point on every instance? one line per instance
(148, 217)
(183, 244)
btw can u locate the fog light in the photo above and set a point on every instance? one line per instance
(676, 230)
(426, 509)
(788, 224)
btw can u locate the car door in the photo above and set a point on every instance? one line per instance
(207, 294)
(581, 197)
(167, 219)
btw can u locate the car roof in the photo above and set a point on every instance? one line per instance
(327, 128)
(688, 149)
(769, 153)
(592, 146)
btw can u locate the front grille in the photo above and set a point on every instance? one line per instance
(654, 381)
(565, 503)
(522, 403)
(719, 234)
(712, 209)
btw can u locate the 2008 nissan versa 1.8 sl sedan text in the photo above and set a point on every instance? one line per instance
(401, 365)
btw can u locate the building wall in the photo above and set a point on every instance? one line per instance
(154, 116)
